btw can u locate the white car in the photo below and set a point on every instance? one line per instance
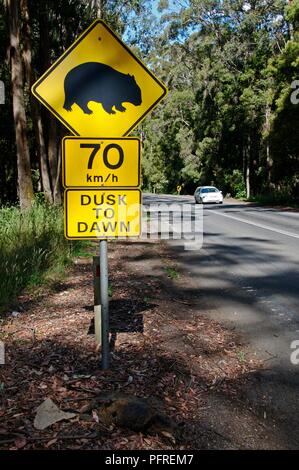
(206, 194)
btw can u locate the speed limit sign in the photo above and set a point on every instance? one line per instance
(99, 162)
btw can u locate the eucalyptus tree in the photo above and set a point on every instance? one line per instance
(215, 57)
(25, 186)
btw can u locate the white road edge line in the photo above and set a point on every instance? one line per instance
(265, 227)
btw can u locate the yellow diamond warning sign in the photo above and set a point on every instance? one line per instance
(93, 163)
(102, 213)
(98, 87)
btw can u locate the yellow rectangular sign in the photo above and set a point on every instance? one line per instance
(94, 163)
(102, 213)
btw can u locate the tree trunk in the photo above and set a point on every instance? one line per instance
(291, 26)
(57, 187)
(248, 169)
(98, 7)
(52, 151)
(25, 185)
(35, 108)
(246, 166)
(268, 153)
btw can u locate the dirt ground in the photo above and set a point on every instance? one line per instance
(163, 346)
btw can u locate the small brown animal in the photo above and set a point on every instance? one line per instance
(137, 414)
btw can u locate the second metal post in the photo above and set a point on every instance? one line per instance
(104, 302)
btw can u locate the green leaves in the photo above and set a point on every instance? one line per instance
(229, 67)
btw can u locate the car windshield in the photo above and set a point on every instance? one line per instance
(209, 190)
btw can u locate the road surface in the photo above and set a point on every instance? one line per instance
(247, 276)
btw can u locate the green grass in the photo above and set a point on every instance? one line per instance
(171, 273)
(110, 290)
(241, 356)
(33, 249)
(274, 199)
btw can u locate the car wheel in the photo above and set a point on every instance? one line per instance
(220, 202)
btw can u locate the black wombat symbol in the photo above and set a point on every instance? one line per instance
(98, 82)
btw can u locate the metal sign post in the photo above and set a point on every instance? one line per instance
(85, 89)
(97, 300)
(104, 303)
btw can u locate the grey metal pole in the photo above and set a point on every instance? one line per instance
(97, 300)
(104, 302)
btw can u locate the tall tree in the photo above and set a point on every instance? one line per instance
(34, 105)
(214, 56)
(25, 186)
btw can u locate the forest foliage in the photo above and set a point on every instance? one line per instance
(32, 249)
(231, 115)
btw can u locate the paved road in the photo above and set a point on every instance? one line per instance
(247, 274)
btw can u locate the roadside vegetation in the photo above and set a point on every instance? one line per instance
(33, 249)
(231, 115)
(275, 199)
(171, 272)
(230, 118)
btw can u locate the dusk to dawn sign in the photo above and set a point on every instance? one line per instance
(102, 213)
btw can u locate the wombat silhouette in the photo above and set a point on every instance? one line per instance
(93, 81)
